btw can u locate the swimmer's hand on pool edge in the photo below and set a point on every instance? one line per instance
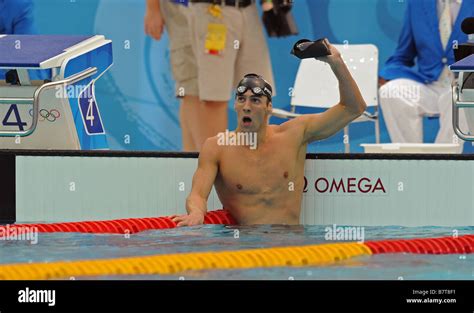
(203, 180)
(191, 219)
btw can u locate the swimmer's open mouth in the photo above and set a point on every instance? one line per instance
(246, 121)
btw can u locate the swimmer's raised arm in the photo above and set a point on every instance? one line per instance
(350, 106)
(203, 180)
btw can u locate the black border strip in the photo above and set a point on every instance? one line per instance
(171, 154)
(238, 296)
(8, 189)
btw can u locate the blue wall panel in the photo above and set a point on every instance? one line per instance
(136, 96)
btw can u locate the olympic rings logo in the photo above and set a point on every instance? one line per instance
(50, 116)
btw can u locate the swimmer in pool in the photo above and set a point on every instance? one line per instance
(262, 182)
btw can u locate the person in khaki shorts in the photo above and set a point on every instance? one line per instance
(172, 15)
(244, 50)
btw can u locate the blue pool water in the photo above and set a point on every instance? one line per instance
(75, 246)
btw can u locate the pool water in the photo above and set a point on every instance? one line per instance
(75, 246)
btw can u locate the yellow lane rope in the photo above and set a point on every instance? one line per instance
(177, 263)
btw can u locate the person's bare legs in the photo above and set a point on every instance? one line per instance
(201, 120)
(188, 112)
(212, 120)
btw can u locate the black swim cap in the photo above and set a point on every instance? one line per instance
(257, 84)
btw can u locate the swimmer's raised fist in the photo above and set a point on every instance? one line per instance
(334, 58)
(191, 219)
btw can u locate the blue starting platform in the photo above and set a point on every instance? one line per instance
(463, 95)
(60, 112)
(464, 65)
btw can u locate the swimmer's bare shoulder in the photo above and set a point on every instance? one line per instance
(203, 180)
(298, 130)
(312, 127)
(293, 129)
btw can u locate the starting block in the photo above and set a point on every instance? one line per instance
(60, 112)
(463, 94)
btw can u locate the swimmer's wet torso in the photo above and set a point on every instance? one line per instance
(264, 185)
(261, 181)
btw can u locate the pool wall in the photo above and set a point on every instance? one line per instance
(408, 190)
